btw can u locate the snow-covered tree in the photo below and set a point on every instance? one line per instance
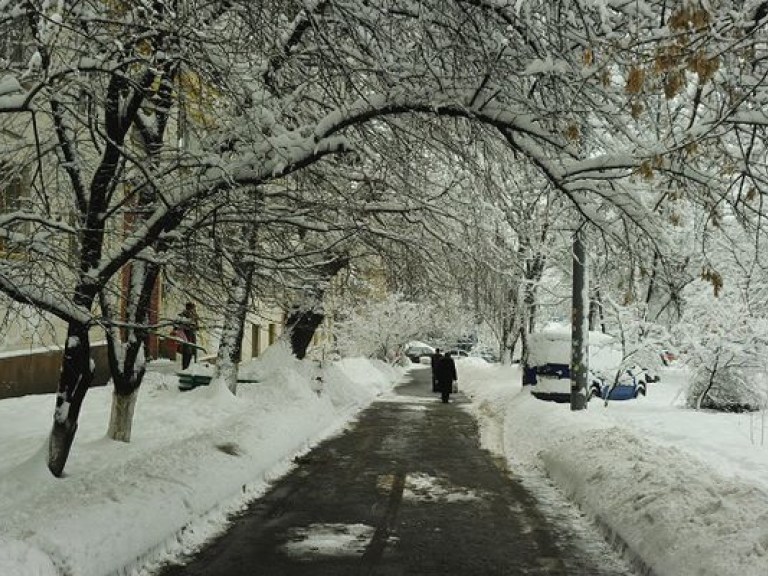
(380, 328)
(725, 348)
(158, 108)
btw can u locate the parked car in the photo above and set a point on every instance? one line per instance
(632, 382)
(549, 375)
(417, 352)
(668, 357)
(458, 354)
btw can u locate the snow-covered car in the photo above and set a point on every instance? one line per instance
(631, 383)
(548, 371)
(418, 352)
(458, 354)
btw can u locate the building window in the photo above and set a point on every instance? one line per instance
(272, 333)
(15, 43)
(255, 340)
(12, 193)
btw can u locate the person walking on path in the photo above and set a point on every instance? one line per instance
(434, 360)
(188, 323)
(446, 376)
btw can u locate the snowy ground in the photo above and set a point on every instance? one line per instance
(685, 491)
(194, 457)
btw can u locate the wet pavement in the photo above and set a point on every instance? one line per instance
(407, 490)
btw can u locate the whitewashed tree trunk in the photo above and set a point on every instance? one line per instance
(121, 416)
(127, 362)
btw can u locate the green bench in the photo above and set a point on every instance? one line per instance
(190, 381)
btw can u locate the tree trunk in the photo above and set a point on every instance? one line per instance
(125, 348)
(593, 314)
(579, 328)
(302, 325)
(533, 272)
(125, 351)
(235, 312)
(524, 346)
(596, 313)
(303, 322)
(711, 383)
(121, 416)
(76, 377)
(77, 366)
(651, 292)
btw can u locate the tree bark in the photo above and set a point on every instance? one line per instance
(121, 416)
(76, 377)
(125, 352)
(77, 367)
(125, 348)
(579, 328)
(230, 349)
(305, 318)
(302, 325)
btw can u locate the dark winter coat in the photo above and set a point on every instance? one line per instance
(187, 321)
(445, 371)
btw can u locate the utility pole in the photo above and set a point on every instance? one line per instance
(579, 328)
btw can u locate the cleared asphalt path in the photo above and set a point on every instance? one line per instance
(406, 490)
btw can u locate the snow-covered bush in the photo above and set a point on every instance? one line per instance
(379, 328)
(641, 341)
(729, 389)
(725, 348)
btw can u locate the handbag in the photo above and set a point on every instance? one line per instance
(455, 386)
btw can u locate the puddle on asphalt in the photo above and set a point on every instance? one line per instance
(413, 400)
(414, 407)
(328, 540)
(422, 487)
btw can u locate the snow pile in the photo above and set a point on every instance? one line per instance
(9, 85)
(341, 380)
(680, 508)
(194, 457)
(672, 509)
(14, 554)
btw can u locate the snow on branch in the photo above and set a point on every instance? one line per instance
(31, 292)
